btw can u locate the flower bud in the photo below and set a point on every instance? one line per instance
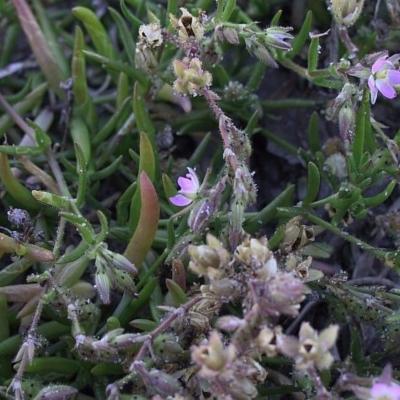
(347, 119)
(227, 34)
(83, 289)
(159, 381)
(230, 323)
(225, 288)
(103, 286)
(286, 292)
(276, 35)
(122, 263)
(56, 392)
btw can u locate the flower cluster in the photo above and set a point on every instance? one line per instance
(191, 77)
(382, 74)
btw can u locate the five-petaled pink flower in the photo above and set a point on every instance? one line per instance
(189, 187)
(384, 77)
(384, 391)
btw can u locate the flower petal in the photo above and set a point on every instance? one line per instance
(385, 88)
(194, 176)
(393, 77)
(190, 184)
(378, 64)
(180, 200)
(374, 95)
(371, 84)
(382, 390)
(187, 184)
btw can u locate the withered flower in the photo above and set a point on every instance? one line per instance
(188, 26)
(256, 254)
(314, 347)
(211, 260)
(296, 235)
(213, 356)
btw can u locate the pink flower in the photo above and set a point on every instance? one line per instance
(189, 187)
(383, 391)
(384, 77)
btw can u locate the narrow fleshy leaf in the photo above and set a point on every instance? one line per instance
(125, 35)
(51, 37)
(381, 197)
(313, 54)
(313, 183)
(269, 211)
(81, 136)
(83, 105)
(81, 167)
(96, 30)
(119, 66)
(142, 239)
(178, 296)
(143, 121)
(169, 186)
(39, 46)
(313, 133)
(19, 192)
(301, 37)
(147, 164)
(30, 101)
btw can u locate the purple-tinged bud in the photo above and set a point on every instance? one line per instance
(286, 292)
(260, 51)
(225, 288)
(128, 339)
(347, 120)
(276, 36)
(230, 323)
(103, 286)
(123, 263)
(157, 380)
(227, 34)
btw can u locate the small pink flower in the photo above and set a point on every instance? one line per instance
(383, 391)
(189, 187)
(384, 77)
